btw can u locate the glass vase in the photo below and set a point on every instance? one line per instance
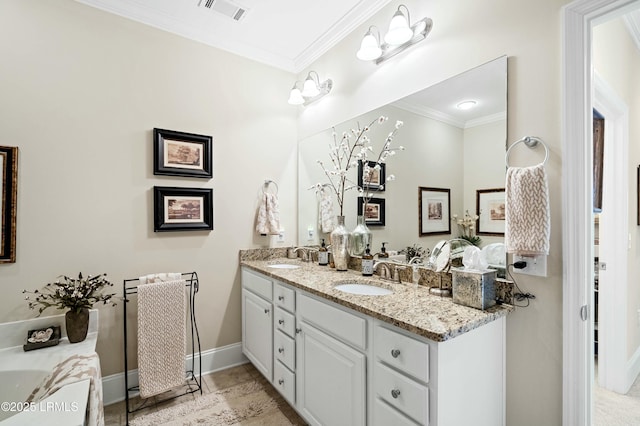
(340, 245)
(360, 237)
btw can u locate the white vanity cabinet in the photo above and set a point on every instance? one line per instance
(257, 325)
(336, 366)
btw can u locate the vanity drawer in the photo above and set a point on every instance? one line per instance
(285, 321)
(284, 348)
(336, 322)
(406, 395)
(402, 352)
(285, 381)
(284, 297)
(257, 284)
(385, 415)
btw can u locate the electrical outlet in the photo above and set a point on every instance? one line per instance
(311, 233)
(280, 236)
(536, 265)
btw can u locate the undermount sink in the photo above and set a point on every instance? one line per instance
(364, 289)
(283, 266)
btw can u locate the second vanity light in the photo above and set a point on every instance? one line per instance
(312, 89)
(400, 36)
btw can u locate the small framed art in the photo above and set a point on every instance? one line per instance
(375, 178)
(490, 208)
(374, 213)
(434, 211)
(182, 209)
(182, 154)
(8, 203)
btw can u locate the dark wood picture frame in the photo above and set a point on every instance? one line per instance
(376, 210)
(182, 209)
(434, 211)
(182, 154)
(8, 203)
(378, 185)
(490, 209)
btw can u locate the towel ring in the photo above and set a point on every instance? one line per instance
(266, 186)
(531, 142)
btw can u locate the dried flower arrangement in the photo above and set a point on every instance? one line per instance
(467, 225)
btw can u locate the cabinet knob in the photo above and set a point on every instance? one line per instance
(395, 393)
(280, 298)
(395, 353)
(280, 350)
(266, 311)
(298, 330)
(280, 321)
(281, 381)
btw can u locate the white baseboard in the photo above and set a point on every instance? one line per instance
(633, 368)
(212, 360)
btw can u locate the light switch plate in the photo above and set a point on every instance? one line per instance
(280, 237)
(536, 265)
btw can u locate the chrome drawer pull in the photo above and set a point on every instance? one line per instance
(280, 350)
(281, 321)
(395, 353)
(395, 393)
(266, 311)
(281, 298)
(281, 382)
(298, 330)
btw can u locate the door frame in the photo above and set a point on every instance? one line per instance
(578, 18)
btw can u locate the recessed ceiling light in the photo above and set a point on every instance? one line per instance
(467, 104)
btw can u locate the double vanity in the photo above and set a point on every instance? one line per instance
(348, 350)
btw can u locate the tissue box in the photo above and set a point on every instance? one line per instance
(476, 289)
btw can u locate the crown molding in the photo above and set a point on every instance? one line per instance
(632, 20)
(449, 119)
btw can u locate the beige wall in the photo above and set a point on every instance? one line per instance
(616, 59)
(81, 91)
(530, 34)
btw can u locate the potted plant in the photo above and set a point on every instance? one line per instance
(77, 296)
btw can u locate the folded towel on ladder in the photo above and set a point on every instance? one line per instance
(527, 213)
(268, 220)
(161, 336)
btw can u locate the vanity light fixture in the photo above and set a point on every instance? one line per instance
(312, 89)
(465, 105)
(400, 36)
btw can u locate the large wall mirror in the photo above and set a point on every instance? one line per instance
(446, 148)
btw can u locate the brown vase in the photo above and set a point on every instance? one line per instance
(77, 323)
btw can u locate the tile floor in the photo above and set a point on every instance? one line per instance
(115, 414)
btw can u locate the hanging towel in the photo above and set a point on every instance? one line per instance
(161, 336)
(72, 370)
(527, 214)
(156, 278)
(326, 217)
(268, 220)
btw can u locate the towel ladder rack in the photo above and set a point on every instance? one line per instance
(130, 287)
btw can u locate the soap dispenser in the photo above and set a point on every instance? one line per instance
(367, 262)
(383, 252)
(323, 255)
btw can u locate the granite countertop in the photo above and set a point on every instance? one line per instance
(409, 307)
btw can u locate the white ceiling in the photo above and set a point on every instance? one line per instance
(287, 34)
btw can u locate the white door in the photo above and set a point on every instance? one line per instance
(331, 382)
(257, 332)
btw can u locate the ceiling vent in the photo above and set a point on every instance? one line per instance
(226, 8)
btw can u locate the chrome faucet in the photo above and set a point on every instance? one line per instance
(387, 273)
(306, 253)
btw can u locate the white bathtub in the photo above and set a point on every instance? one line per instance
(21, 372)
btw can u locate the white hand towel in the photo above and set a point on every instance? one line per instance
(268, 220)
(527, 212)
(161, 336)
(326, 217)
(156, 278)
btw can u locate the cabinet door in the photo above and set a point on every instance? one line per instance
(257, 332)
(331, 379)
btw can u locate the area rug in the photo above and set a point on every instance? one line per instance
(247, 403)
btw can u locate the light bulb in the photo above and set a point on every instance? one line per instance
(399, 31)
(310, 88)
(295, 98)
(369, 48)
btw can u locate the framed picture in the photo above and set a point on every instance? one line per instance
(375, 179)
(374, 212)
(434, 207)
(638, 195)
(182, 209)
(490, 208)
(182, 154)
(8, 202)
